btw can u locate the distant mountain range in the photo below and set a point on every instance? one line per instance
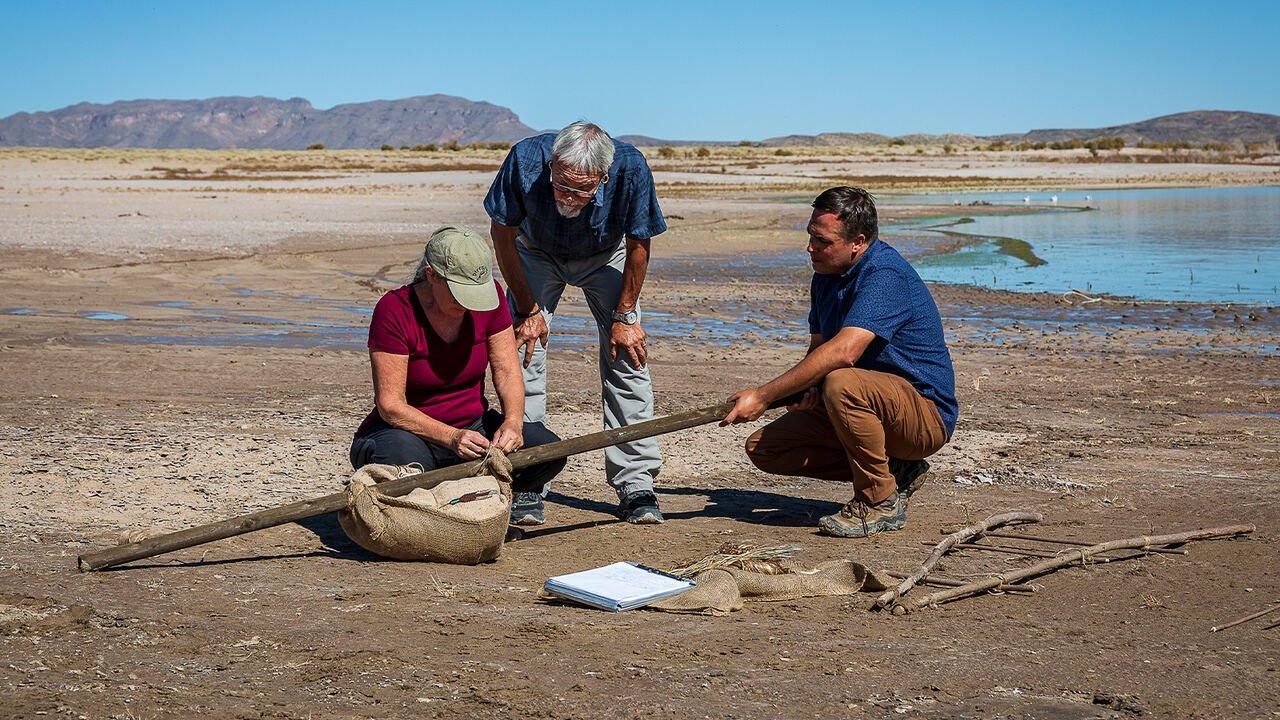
(1199, 126)
(844, 139)
(263, 122)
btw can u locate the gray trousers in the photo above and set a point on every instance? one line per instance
(626, 391)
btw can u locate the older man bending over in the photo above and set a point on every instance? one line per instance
(879, 387)
(579, 208)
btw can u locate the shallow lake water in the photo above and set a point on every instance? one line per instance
(1176, 244)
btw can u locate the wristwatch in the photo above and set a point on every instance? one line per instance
(525, 316)
(630, 317)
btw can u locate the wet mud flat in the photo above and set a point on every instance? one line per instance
(1110, 425)
(236, 380)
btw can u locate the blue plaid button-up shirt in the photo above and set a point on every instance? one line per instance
(521, 195)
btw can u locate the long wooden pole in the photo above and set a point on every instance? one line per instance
(1245, 619)
(891, 596)
(944, 581)
(906, 605)
(1064, 541)
(303, 509)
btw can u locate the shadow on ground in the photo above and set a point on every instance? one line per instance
(751, 506)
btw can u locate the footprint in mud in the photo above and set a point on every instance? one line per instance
(22, 612)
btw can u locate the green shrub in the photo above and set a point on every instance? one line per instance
(1109, 143)
(897, 141)
(499, 146)
(783, 152)
(948, 149)
(387, 148)
(702, 152)
(666, 152)
(744, 143)
(316, 146)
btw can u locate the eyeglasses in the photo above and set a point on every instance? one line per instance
(573, 191)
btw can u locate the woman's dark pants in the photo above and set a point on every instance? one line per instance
(387, 445)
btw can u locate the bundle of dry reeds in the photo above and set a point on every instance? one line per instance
(745, 555)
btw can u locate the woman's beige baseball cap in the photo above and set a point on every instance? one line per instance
(460, 256)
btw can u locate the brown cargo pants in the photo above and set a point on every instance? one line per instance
(868, 417)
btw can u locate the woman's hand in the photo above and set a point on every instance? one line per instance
(468, 444)
(509, 437)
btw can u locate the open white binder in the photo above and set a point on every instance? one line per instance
(617, 587)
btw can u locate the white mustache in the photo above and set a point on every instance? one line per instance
(568, 211)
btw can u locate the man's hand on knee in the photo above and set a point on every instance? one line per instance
(631, 339)
(530, 331)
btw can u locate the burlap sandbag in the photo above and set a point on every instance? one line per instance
(722, 591)
(422, 525)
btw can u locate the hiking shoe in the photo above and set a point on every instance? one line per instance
(909, 474)
(860, 519)
(526, 509)
(641, 508)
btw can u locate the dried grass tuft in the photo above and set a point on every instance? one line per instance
(746, 556)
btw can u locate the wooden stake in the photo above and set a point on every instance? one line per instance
(303, 509)
(1246, 618)
(1064, 541)
(1067, 558)
(891, 596)
(957, 582)
(1033, 552)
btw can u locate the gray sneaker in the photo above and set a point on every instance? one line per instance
(641, 508)
(909, 474)
(858, 519)
(526, 509)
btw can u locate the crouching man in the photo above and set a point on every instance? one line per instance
(879, 389)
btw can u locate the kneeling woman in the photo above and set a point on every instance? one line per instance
(429, 344)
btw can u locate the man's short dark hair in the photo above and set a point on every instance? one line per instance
(856, 209)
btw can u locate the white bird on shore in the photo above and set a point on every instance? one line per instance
(1087, 198)
(1053, 199)
(1026, 199)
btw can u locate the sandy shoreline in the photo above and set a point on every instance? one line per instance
(238, 377)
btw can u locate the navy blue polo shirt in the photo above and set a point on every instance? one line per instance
(884, 294)
(627, 204)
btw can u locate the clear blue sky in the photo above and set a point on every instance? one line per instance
(684, 70)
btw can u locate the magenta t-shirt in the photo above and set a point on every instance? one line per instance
(446, 380)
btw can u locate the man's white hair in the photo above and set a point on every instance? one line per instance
(585, 147)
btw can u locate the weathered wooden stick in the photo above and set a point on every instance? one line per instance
(1067, 558)
(1064, 541)
(1033, 552)
(1027, 552)
(957, 582)
(891, 596)
(1246, 618)
(303, 509)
